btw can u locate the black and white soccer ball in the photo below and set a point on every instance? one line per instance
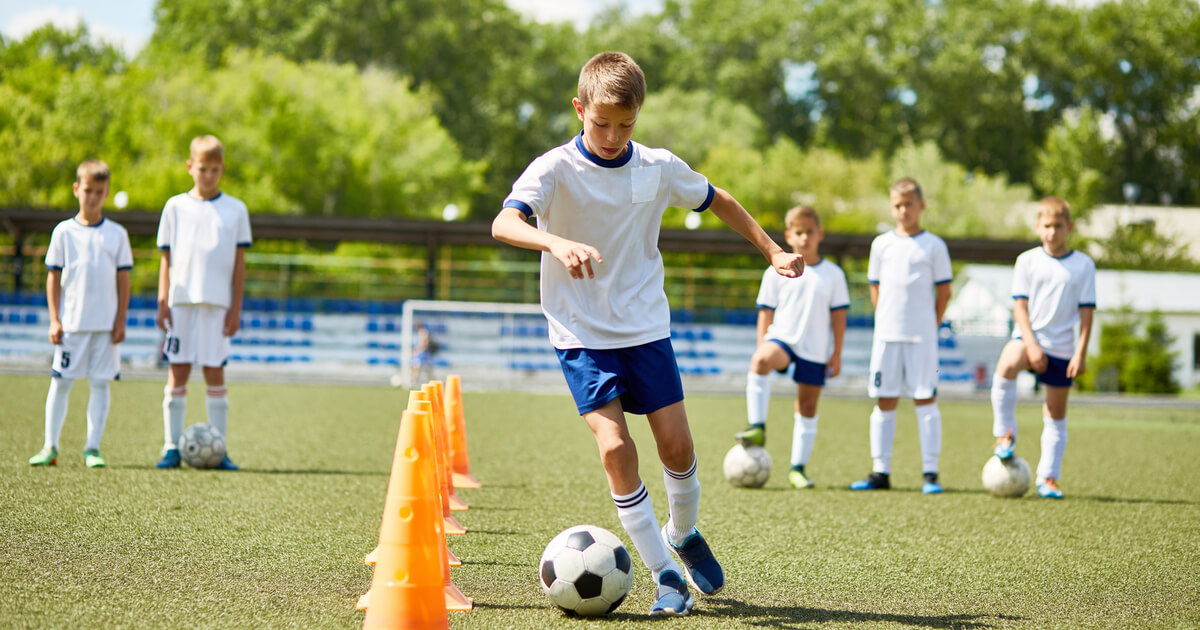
(1006, 478)
(202, 446)
(747, 466)
(586, 571)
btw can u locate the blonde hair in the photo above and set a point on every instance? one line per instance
(907, 185)
(207, 147)
(92, 170)
(801, 211)
(1054, 207)
(612, 78)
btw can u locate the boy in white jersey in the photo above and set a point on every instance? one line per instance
(87, 290)
(599, 201)
(801, 323)
(1054, 287)
(909, 275)
(203, 234)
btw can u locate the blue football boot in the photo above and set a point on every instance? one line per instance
(698, 561)
(673, 598)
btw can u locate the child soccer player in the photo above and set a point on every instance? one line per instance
(599, 201)
(1054, 287)
(87, 290)
(203, 234)
(801, 321)
(909, 275)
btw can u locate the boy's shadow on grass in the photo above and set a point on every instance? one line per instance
(794, 616)
(1032, 496)
(258, 471)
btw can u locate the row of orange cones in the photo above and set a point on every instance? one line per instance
(411, 586)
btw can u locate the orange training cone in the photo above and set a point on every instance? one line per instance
(420, 400)
(438, 397)
(407, 590)
(456, 421)
(451, 558)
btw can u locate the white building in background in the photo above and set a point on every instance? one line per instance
(1179, 223)
(982, 305)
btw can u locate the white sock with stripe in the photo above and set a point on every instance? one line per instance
(174, 414)
(217, 405)
(636, 513)
(683, 499)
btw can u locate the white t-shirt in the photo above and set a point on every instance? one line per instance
(615, 206)
(1056, 289)
(203, 236)
(906, 269)
(803, 307)
(90, 257)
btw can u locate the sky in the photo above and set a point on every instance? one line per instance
(129, 23)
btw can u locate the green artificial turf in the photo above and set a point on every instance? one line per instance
(280, 543)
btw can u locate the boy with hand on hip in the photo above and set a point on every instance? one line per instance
(1054, 288)
(203, 234)
(87, 291)
(599, 201)
(909, 275)
(801, 323)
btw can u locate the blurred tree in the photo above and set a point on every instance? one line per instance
(1142, 246)
(1075, 162)
(1129, 361)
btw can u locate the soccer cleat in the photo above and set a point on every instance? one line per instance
(92, 458)
(698, 561)
(931, 485)
(1004, 446)
(797, 478)
(1048, 489)
(673, 598)
(227, 464)
(46, 457)
(874, 481)
(170, 459)
(753, 435)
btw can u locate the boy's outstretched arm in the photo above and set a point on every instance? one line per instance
(510, 227)
(1078, 362)
(735, 216)
(164, 290)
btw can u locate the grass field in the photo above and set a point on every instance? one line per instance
(280, 544)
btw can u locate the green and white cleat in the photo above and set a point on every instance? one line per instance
(92, 458)
(753, 435)
(46, 457)
(798, 479)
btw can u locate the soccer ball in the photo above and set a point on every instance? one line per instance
(747, 466)
(1006, 478)
(202, 446)
(586, 571)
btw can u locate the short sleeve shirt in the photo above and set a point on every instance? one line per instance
(1056, 289)
(803, 308)
(906, 269)
(203, 236)
(89, 257)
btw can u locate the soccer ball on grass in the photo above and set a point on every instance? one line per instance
(1006, 478)
(202, 446)
(586, 571)
(747, 466)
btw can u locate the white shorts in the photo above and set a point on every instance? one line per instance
(900, 365)
(197, 335)
(86, 354)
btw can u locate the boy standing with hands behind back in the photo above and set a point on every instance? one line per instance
(203, 234)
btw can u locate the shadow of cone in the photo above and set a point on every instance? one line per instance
(438, 398)
(456, 421)
(407, 589)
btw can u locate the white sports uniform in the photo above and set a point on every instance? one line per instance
(1056, 289)
(203, 236)
(803, 308)
(89, 257)
(904, 351)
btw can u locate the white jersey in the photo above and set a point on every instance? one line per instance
(906, 269)
(615, 206)
(203, 236)
(1056, 289)
(89, 257)
(803, 307)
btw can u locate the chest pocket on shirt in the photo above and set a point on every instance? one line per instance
(645, 183)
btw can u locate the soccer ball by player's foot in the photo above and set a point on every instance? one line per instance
(170, 459)
(703, 570)
(931, 485)
(46, 457)
(1048, 489)
(753, 435)
(798, 479)
(1004, 446)
(92, 458)
(874, 481)
(673, 598)
(227, 464)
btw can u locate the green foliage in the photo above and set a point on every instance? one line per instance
(1142, 246)
(1132, 362)
(1075, 162)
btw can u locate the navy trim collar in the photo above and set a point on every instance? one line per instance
(97, 224)
(1069, 252)
(599, 161)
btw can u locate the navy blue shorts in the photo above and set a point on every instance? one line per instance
(803, 372)
(1056, 373)
(645, 377)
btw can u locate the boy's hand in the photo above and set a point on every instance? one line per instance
(118, 332)
(164, 316)
(788, 265)
(576, 257)
(233, 321)
(1037, 357)
(1077, 366)
(56, 332)
(834, 367)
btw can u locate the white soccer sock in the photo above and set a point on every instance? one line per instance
(174, 409)
(97, 414)
(929, 426)
(683, 499)
(217, 405)
(804, 434)
(758, 397)
(1054, 442)
(1004, 406)
(883, 433)
(56, 408)
(636, 513)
